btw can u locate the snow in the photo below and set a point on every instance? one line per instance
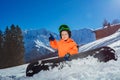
(115, 24)
(13, 72)
(41, 35)
(81, 69)
(102, 42)
(40, 44)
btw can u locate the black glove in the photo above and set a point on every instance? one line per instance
(67, 57)
(51, 38)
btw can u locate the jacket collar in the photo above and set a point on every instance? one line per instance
(68, 40)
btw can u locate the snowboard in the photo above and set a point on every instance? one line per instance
(103, 54)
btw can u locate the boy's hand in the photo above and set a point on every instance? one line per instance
(67, 57)
(51, 38)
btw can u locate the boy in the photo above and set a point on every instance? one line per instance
(65, 46)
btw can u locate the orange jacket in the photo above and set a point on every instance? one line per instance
(64, 47)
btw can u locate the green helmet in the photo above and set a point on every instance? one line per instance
(64, 28)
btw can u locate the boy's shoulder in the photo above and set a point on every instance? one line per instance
(70, 39)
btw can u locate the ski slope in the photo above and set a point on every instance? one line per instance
(102, 42)
(81, 69)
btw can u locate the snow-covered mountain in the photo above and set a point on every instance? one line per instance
(37, 41)
(81, 69)
(83, 36)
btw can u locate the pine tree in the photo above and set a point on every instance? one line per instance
(105, 23)
(6, 49)
(1, 41)
(13, 47)
(19, 46)
(1, 48)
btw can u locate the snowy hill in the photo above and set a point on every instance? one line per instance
(37, 43)
(81, 69)
(101, 42)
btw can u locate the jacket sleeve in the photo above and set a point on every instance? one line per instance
(74, 49)
(54, 44)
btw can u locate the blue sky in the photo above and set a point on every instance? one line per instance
(50, 14)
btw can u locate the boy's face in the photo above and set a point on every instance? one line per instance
(64, 35)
